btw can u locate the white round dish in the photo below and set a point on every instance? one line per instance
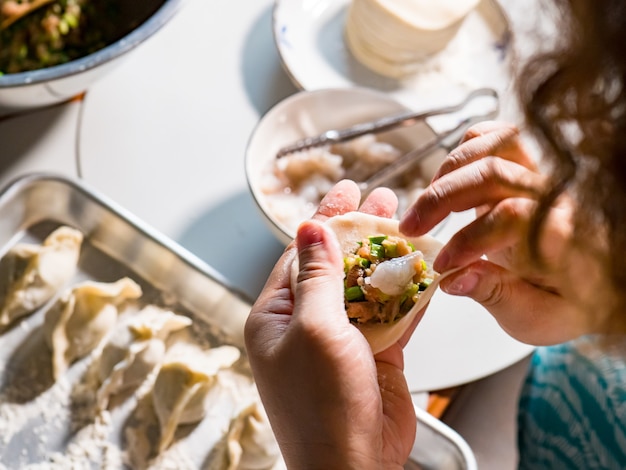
(309, 37)
(457, 341)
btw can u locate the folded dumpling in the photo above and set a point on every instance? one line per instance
(250, 442)
(38, 271)
(183, 382)
(134, 349)
(82, 317)
(388, 278)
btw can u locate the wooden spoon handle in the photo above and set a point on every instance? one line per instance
(28, 9)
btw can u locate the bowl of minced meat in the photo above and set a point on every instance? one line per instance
(287, 190)
(53, 50)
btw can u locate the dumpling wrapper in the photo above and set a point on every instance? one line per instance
(48, 267)
(353, 227)
(82, 317)
(183, 383)
(135, 348)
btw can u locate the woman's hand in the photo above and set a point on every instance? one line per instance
(535, 303)
(331, 403)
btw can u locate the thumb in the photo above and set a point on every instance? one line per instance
(527, 312)
(318, 274)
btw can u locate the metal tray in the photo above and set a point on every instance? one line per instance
(117, 244)
(438, 447)
(47, 424)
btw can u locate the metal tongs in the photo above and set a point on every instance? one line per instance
(446, 140)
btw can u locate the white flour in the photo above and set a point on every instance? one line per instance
(53, 426)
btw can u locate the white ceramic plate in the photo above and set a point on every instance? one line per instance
(309, 38)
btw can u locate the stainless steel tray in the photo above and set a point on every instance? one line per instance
(439, 447)
(43, 424)
(117, 244)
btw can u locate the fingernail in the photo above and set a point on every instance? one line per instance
(462, 285)
(309, 234)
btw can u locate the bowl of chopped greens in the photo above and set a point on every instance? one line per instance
(53, 50)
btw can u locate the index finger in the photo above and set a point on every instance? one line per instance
(486, 181)
(485, 139)
(345, 197)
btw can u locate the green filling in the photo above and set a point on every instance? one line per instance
(354, 294)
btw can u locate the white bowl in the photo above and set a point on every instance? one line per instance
(310, 113)
(50, 85)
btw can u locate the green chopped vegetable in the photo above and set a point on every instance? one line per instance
(71, 20)
(391, 249)
(377, 239)
(64, 27)
(410, 292)
(377, 251)
(354, 293)
(349, 262)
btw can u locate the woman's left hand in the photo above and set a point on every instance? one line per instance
(547, 300)
(330, 402)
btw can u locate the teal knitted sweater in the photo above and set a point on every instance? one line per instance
(572, 410)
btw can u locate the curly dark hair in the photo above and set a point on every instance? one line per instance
(574, 99)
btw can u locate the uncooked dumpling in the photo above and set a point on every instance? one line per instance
(45, 269)
(82, 317)
(184, 380)
(135, 348)
(251, 444)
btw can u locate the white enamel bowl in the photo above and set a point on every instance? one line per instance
(46, 86)
(309, 113)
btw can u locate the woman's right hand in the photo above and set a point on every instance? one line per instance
(331, 403)
(538, 303)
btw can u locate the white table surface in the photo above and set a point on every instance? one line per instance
(187, 128)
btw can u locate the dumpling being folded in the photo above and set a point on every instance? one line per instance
(134, 349)
(82, 317)
(388, 278)
(182, 384)
(250, 442)
(37, 272)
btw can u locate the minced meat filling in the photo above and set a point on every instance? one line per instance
(389, 299)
